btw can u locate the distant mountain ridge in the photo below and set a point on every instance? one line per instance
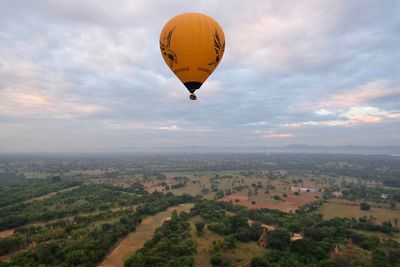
(294, 148)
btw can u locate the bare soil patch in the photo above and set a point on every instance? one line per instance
(6, 233)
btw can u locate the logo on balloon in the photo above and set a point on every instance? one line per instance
(219, 49)
(166, 50)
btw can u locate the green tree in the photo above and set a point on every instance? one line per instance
(380, 258)
(200, 227)
(279, 239)
(308, 248)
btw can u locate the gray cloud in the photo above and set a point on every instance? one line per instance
(86, 75)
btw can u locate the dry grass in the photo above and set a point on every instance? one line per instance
(262, 199)
(331, 210)
(266, 200)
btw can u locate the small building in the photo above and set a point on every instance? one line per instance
(337, 194)
(302, 189)
(384, 196)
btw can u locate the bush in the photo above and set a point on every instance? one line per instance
(365, 206)
(200, 227)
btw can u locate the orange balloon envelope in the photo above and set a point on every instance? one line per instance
(192, 45)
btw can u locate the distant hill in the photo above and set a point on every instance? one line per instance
(343, 149)
(294, 148)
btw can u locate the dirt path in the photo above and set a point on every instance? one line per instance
(6, 233)
(136, 240)
(42, 197)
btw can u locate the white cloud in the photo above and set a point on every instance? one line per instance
(350, 97)
(324, 112)
(20, 103)
(352, 117)
(278, 136)
(152, 126)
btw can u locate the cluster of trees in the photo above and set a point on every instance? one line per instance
(87, 250)
(218, 221)
(311, 206)
(320, 237)
(171, 245)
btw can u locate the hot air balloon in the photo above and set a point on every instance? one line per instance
(192, 45)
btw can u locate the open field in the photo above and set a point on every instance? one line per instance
(135, 240)
(263, 200)
(331, 210)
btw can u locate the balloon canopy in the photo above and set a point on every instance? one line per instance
(192, 45)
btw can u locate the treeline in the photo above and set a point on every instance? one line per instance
(31, 188)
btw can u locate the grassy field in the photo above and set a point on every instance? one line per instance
(263, 200)
(135, 240)
(331, 210)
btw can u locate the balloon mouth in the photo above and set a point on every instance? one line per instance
(193, 86)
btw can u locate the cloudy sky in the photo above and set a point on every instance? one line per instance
(88, 75)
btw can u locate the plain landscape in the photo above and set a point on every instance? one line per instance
(220, 209)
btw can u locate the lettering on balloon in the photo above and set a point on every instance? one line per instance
(204, 70)
(181, 70)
